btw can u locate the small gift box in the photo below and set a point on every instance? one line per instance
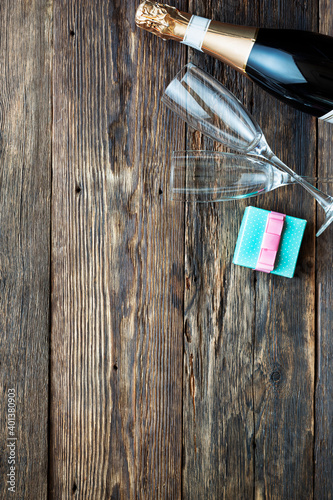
(269, 242)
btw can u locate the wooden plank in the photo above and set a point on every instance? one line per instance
(219, 323)
(118, 257)
(249, 350)
(284, 345)
(324, 354)
(25, 177)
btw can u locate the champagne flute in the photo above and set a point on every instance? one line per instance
(205, 176)
(209, 107)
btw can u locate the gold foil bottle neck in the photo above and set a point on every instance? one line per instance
(160, 19)
(231, 44)
(227, 42)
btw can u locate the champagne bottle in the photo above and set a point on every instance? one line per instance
(294, 66)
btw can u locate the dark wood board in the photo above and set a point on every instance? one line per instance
(219, 322)
(284, 349)
(25, 179)
(146, 365)
(323, 487)
(118, 260)
(249, 343)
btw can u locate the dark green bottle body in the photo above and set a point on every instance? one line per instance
(295, 66)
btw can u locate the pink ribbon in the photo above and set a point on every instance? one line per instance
(270, 242)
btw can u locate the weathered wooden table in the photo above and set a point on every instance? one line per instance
(144, 364)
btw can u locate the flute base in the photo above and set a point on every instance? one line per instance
(327, 222)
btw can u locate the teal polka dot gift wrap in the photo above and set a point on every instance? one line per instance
(251, 235)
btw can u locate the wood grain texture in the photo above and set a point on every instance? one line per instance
(174, 374)
(324, 288)
(249, 348)
(25, 178)
(284, 347)
(219, 323)
(118, 260)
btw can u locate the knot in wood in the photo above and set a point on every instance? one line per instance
(276, 376)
